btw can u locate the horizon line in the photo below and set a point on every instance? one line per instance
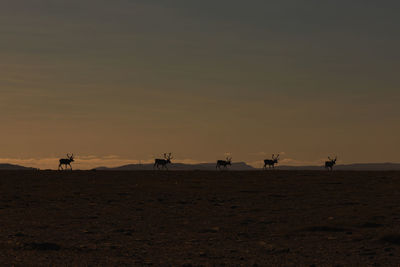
(204, 163)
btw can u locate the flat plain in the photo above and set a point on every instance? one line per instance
(199, 218)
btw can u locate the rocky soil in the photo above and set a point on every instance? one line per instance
(189, 218)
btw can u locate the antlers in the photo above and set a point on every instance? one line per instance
(70, 157)
(168, 156)
(277, 157)
(332, 159)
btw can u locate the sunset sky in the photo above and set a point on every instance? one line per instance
(120, 81)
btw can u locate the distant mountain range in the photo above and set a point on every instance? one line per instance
(350, 167)
(242, 166)
(236, 166)
(11, 167)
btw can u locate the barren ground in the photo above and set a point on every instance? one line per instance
(271, 218)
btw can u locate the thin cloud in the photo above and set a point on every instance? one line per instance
(262, 153)
(86, 162)
(82, 162)
(295, 162)
(288, 162)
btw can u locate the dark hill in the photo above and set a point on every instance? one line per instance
(236, 166)
(350, 167)
(12, 167)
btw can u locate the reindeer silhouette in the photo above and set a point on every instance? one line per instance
(163, 162)
(271, 162)
(66, 162)
(224, 163)
(329, 164)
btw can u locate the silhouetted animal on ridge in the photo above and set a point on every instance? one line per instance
(163, 162)
(271, 162)
(224, 163)
(329, 164)
(66, 162)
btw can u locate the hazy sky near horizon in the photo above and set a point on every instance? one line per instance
(128, 80)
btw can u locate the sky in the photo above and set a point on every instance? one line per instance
(123, 81)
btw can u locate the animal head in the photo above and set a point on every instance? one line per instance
(275, 159)
(228, 160)
(333, 160)
(71, 158)
(168, 157)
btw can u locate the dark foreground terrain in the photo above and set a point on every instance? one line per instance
(276, 218)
